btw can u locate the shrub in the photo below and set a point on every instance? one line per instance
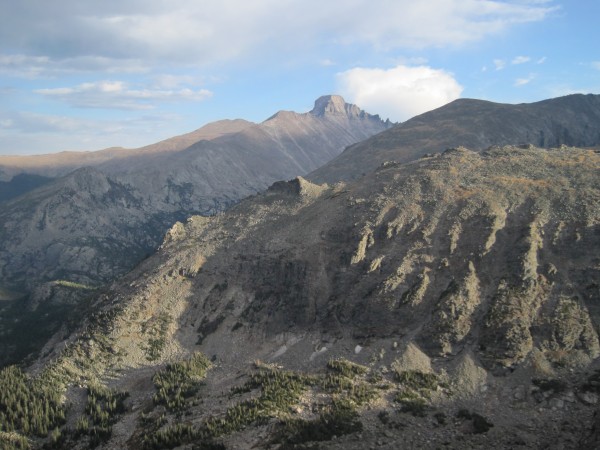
(481, 424)
(346, 368)
(440, 417)
(464, 413)
(170, 437)
(339, 420)
(416, 380)
(417, 407)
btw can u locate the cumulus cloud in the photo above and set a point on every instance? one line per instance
(400, 92)
(25, 66)
(326, 62)
(499, 64)
(520, 60)
(40, 123)
(73, 35)
(524, 81)
(118, 95)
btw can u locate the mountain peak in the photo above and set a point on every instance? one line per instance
(334, 105)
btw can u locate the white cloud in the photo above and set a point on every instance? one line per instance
(542, 60)
(520, 60)
(40, 123)
(499, 64)
(169, 81)
(326, 62)
(21, 65)
(524, 81)
(596, 65)
(400, 92)
(118, 95)
(76, 35)
(410, 61)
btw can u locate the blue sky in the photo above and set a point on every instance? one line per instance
(86, 75)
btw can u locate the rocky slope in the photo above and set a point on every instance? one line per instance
(448, 302)
(95, 223)
(571, 120)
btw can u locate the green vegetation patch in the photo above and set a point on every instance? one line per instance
(273, 394)
(13, 441)
(415, 390)
(346, 368)
(417, 380)
(179, 381)
(338, 420)
(157, 329)
(103, 408)
(412, 402)
(280, 389)
(178, 434)
(29, 406)
(175, 385)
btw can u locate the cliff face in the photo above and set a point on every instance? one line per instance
(476, 124)
(464, 284)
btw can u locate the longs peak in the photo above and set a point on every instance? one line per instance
(335, 105)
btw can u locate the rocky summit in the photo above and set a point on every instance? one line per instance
(448, 302)
(476, 124)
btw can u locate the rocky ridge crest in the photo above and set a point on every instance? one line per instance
(476, 124)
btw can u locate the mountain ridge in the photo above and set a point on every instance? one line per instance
(59, 164)
(476, 124)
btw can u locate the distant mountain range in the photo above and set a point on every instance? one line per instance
(58, 164)
(108, 209)
(476, 124)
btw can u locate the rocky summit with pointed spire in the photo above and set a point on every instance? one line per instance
(335, 105)
(476, 124)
